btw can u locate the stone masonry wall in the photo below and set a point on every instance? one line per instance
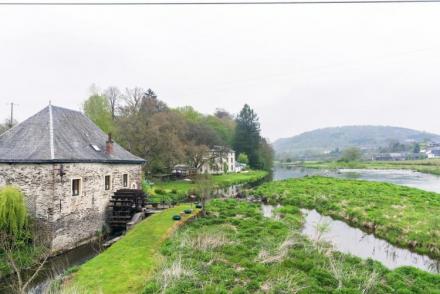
(73, 219)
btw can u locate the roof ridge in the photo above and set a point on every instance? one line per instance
(52, 148)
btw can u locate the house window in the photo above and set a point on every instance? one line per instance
(107, 182)
(125, 180)
(76, 187)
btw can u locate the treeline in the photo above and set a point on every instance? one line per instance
(165, 136)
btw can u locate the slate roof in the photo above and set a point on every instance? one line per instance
(59, 135)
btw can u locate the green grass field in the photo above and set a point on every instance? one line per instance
(124, 267)
(237, 250)
(404, 216)
(176, 190)
(429, 166)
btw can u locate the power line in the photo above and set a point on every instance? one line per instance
(215, 3)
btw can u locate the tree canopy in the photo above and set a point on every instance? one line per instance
(149, 128)
(13, 212)
(247, 140)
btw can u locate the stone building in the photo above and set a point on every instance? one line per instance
(67, 169)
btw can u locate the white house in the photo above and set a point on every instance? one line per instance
(219, 160)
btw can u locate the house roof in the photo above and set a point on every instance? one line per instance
(59, 135)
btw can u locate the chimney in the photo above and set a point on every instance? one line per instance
(109, 145)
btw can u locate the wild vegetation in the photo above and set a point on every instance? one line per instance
(23, 251)
(166, 136)
(404, 216)
(174, 191)
(237, 250)
(124, 267)
(429, 166)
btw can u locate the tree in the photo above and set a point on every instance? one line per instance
(113, 96)
(21, 247)
(204, 188)
(416, 148)
(243, 158)
(7, 125)
(265, 155)
(247, 135)
(98, 109)
(351, 154)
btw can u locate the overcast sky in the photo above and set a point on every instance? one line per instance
(299, 67)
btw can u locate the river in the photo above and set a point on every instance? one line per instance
(351, 240)
(402, 177)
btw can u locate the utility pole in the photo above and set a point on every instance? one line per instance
(11, 121)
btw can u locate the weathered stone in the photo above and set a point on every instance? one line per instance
(72, 220)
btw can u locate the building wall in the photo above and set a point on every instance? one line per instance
(216, 165)
(72, 219)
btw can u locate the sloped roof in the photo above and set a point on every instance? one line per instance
(59, 135)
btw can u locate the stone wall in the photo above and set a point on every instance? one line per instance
(73, 219)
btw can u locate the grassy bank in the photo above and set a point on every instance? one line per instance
(176, 190)
(236, 250)
(404, 216)
(124, 267)
(429, 166)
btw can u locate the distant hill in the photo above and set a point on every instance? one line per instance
(366, 137)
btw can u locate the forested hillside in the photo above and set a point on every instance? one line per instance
(364, 137)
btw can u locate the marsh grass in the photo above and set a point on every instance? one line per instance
(404, 216)
(254, 254)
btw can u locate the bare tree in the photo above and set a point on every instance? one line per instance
(205, 187)
(37, 253)
(133, 98)
(113, 95)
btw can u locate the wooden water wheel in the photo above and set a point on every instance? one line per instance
(124, 204)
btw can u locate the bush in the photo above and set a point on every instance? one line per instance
(13, 212)
(159, 191)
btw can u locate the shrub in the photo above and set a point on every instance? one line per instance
(159, 191)
(13, 212)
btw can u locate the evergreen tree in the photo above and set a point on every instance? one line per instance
(247, 135)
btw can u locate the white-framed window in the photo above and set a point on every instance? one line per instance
(107, 182)
(125, 180)
(76, 185)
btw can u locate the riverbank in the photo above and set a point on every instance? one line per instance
(405, 217)
(429, 166)
(178, 190)
(124, 267)
(237, 250)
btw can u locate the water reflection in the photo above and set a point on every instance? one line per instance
(351, 240)
(268, 211)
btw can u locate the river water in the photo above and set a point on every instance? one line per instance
(408, 178)
(354, 241)
(347, 239)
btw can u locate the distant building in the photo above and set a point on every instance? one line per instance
(433, 152)
(390, 156)
(239, 167)
(67, 169)
(219, 160)
(183, 170)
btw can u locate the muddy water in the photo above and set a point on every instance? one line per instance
(353, 241)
